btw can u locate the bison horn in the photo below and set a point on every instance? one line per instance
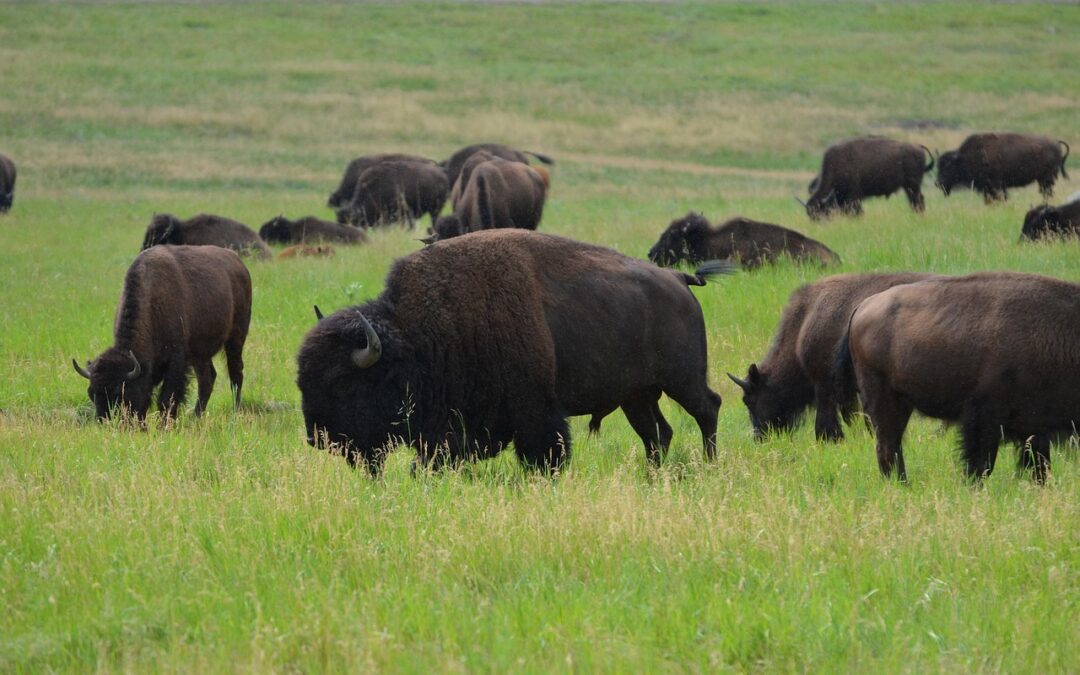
(369, 355)
(137, 370)
(743, 384)
(318, 314)
(801, 202)
(80, 370)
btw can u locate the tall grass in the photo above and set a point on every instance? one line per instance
(226, 544)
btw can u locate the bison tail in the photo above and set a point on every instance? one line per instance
(708, 269)
(483, 200)
(543, 158)
(844, 371)
(1064, 174)
(930, 166)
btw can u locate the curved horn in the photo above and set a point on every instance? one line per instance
(137, 370)
(742, 383)
(318, 314)
(368, 356)
(801, 202)
(80, 370)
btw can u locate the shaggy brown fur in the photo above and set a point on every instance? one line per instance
(799, 368)
(752, 243)
(347, 189)
(501, 193)
(499, 336)
(309, 229)
(992, 163)
(454, 164)
(997, 352)
(180, 306)
(391, 192)
(205, 229)
(7, 183)
(307, 251)
(1052, 221)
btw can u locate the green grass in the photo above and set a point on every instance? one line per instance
(226, 544)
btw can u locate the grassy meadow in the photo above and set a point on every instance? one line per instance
(227, 544)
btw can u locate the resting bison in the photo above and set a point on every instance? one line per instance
(345, 192)
(992, 163)
(180, 306)
(309, 229)
(392, 192)
(307, 251)
(800, 367)
(499, 336)
(752, 243)
(500, 194)
(868, 166)
(995, 351)
(1051, 221)
(454, 165)
(7, 183)
(204, 229)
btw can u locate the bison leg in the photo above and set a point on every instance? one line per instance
(648, 422)
(234, 357)
(827, 423)
(1046, 187)
(1035, 454)
(915, 198)
(205, 375)
(980, 438)
(544, 444)
(173, 390)
(703, 404)
(889, 416)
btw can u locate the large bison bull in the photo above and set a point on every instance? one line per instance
(498, 337)
(992, 163)
(180, 306)
(997, 352)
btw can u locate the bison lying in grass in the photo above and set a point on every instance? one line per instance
(204, 230)
(692, 239)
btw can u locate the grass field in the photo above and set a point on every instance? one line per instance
(227, 544)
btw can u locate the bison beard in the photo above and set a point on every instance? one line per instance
(498, 337)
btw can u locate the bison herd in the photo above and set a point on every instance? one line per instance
(492, 334)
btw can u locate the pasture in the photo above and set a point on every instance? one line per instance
(227, 544)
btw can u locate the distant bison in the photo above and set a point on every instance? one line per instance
(347, 189)
(992, 163)
(752, 243)
(868, 166)
(498, 337)
(180, 306)
(1051, 221)
(391, 192)
(307, 251)
(7, 183)
(800, 368)
(500, 194)
(995, 351)
(456, 162)
(204, 229)
(281, 230)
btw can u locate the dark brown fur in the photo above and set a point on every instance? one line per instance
(308, 230)
(1052, 221)
(454, 164)
(391, 192)
(7, 183)
(868, 166)
(799, 368)
(992, 163)
(204, 230)
(180, 306)
(997, 352)
(752, 243)
(498, 337)
(500, 194)
(347, 189)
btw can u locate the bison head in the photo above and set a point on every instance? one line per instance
(357, 385)
(161, 230)
(951, 172)
(771, 405)
(116, 380)
(1040, 221)
(446, 227)
(276, 231)
(684, 239)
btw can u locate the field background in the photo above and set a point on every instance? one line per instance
(226, 544)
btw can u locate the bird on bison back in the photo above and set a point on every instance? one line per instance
(498, 336)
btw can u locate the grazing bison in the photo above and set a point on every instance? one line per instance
(992, 163)
(204, 229)
(7, 183)
(309, 229)
(867, 166)
(799, 368)
(997, 352)
(307, 251)
(498, 337)
(500, 194)
(347, 189)
(1052, 221)
(392, 192)
(752, 243)
(457, 161)
(180, 306)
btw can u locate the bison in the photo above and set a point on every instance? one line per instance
(281, 230)
(498, 337)
(752, 243)
(7, 183)
(347, 189)
(500, 194)
(1052, 221)
(868, 166)
(992, 163)
(204, 229)
(180, 306)
(393, 191)
(997, 352)
(799, 368)
(456, 162)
